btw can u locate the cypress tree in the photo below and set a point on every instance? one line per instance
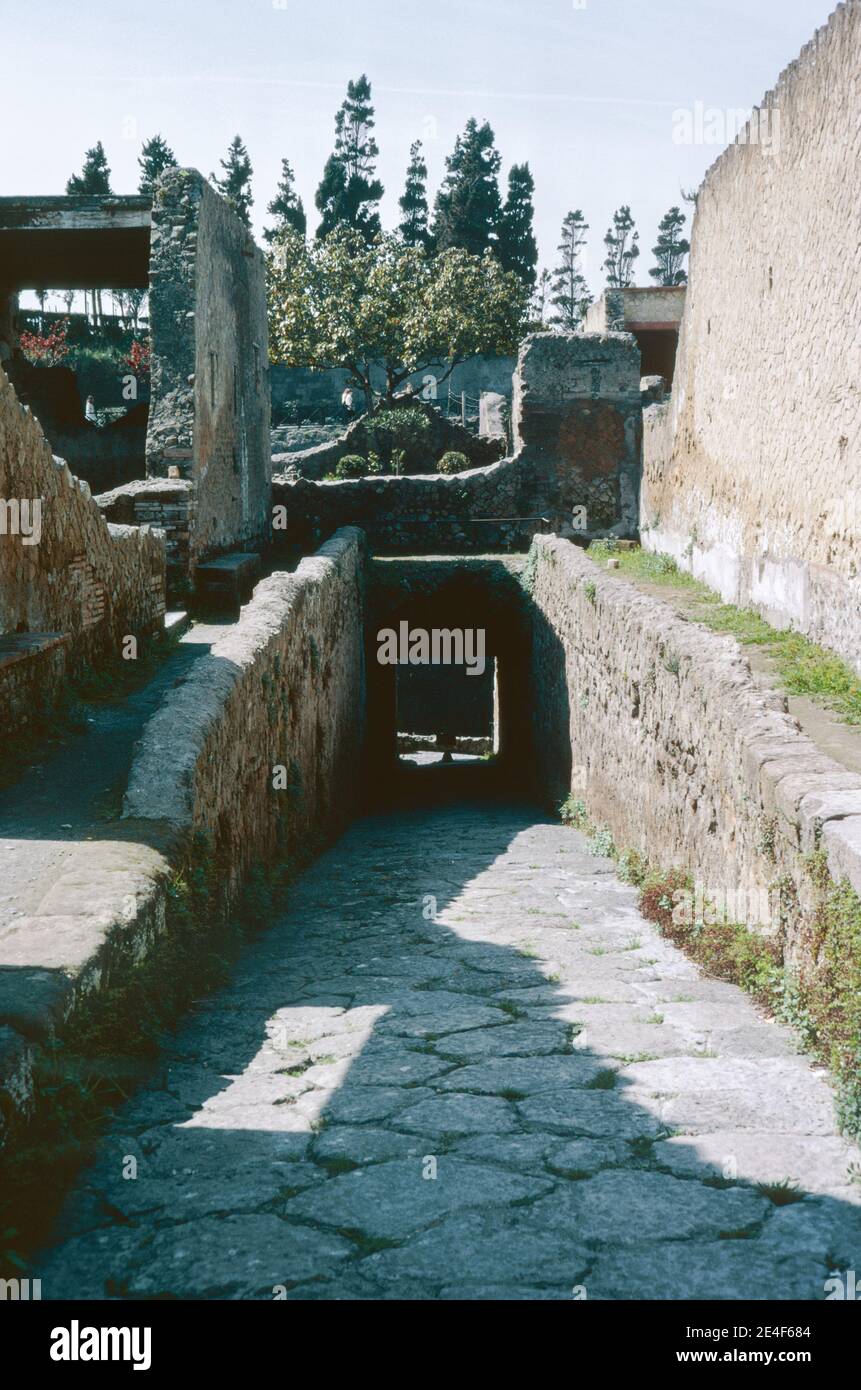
(349, 192)
(414, 203)
(155, 156)
(570, 294)
(517, 247)
(670, 250)
(286, 207)
(467, 208)
(235, 185)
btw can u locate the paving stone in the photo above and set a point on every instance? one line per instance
(721, 1269)
(592, 1113)
(458, 1114)
(500, 1248)
(362, 1144)
(517, 1040)
(582, 1156)
(523, 1074)
(626, 1208)
(815, 1163)
(240, 1255)
(391, 1200)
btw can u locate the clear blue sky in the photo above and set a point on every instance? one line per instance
(585, 93)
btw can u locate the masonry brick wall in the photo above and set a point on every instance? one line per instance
(752, 472)
(284, 687)
(85, 578)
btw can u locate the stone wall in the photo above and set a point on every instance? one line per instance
(641, 306)
(660, 728)
(209, 411)
(284, 688)
(751, 472)
(166, 503)
(475, 510)
(577, 418)
(84, 578)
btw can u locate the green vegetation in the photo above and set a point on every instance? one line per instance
(781, 1194)
(803, 667)
(354, 466)
(453, 462)
(820, 1001)
(349, 302)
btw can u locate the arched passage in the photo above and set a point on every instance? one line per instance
(469, 607)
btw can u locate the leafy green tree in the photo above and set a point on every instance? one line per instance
(414, 203)
(346, 302)
(468, 206)
(517, 248)
(671, 249)
(349, 192)
(155, 156)
(95, 176)
(569, 292)
(235, 184)
(622, 246)
(286, 207)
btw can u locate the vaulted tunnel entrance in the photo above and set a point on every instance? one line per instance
(448, 642)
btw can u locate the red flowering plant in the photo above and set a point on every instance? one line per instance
(46, 349)
(138, 359)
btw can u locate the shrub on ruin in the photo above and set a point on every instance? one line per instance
(351, 466)
(453, 462)
(400, 436)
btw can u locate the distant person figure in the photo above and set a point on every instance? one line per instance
(348, 403)
(90, 411)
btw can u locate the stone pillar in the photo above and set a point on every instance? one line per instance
(577, 420)
(209, 407)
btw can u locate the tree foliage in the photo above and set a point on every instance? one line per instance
(569, 292)
(235, 184)
(95, 176)
(345, 302)
(670, 250)
(517, 247)
(349, 192)
(286, 207)
(622, 246)
(468, 207)
(414, 202)
(155, 156)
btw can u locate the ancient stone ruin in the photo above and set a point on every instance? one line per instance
(480, 1050)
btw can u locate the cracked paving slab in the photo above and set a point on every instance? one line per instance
(519, 1091)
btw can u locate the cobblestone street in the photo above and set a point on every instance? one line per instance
(463, 1066)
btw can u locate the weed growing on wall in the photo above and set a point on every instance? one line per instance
(803, 667)
(820, 1001)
